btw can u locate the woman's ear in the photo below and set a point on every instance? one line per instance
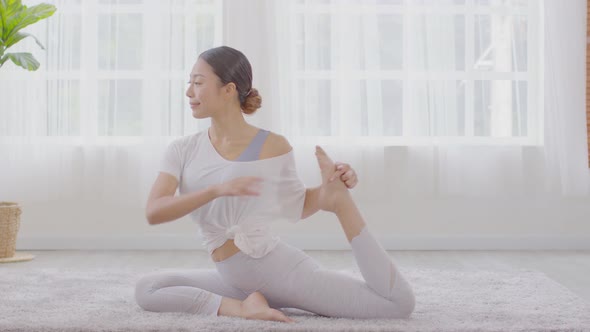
(230, 87)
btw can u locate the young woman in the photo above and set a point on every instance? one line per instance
(234, 180)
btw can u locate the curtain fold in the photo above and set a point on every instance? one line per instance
(565, 90)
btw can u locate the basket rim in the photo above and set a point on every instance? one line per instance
(6, 204)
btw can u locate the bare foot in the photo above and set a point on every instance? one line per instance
(331, 193)
(255, 306)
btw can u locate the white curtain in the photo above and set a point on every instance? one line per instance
(438, 98)
(89, 127)
(423, 98)
(565, 86)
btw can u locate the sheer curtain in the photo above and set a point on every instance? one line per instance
(91, 124)
(438, 98)
(461, 98)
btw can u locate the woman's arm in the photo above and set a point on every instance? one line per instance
(311, 204)
(278, 145)
(163, 206)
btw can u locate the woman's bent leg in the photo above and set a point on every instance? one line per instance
(379, 272)
(314, 288)
(197, 291)
(374, 263)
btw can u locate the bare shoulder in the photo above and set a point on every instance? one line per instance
(275, 145)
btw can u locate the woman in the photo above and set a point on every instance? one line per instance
(234, 179)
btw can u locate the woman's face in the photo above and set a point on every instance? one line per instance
(204, 92)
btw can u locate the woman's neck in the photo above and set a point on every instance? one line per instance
(230, 129)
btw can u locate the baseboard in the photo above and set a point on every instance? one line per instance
(312, 242)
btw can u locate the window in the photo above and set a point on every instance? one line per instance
(454, 70)
(114, 67)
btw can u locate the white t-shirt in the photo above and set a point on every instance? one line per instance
(196, 164)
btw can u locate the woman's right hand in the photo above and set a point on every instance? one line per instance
(241, 186)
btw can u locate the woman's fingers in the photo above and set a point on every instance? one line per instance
(345, 173)
(252, 185)
(340, 169)
(336, 175)
(351, 179)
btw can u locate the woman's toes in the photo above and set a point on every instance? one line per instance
(326, 164)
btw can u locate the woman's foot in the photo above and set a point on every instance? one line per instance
(255, 306)
(332, 194)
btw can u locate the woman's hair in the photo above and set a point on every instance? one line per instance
(232, 65)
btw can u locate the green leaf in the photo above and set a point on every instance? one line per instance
(19, 36)
(9, 10)
(1, 23)
(25, 17)
(25, 60)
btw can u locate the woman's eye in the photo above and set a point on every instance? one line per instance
(195, 82)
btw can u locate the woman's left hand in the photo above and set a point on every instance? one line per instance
(346, 174)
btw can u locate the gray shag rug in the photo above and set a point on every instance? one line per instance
(99, 299)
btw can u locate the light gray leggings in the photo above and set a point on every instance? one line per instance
(288, 278)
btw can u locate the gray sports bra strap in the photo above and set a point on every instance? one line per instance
(252, 152)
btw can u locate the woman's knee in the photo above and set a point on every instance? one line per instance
(400, 306)
(409, 304)
(403, 297)
(403, 306)
(143, 288)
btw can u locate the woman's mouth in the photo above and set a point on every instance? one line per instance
(194, 105)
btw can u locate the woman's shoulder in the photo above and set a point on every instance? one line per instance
(275, 145)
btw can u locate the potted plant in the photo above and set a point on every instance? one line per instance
(14, 16)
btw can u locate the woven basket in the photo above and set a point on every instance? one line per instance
(9, 224)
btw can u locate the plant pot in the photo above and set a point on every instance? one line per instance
(9, 224)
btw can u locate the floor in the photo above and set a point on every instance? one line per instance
(569, 268)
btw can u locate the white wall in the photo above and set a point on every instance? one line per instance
(411, 224)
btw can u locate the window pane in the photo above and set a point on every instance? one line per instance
(119, 107)
(66, 27)
(174, 29)
(391, 41)
(437, 42)
(203, 35)
(392, 99)
(313, 41)
(352, 118)
(519, 108)
(120, 41)
(314, 111)
(500, 43)
(441, 105)
(500, 108)
(184, 37)
(173, 107)
(63, 107)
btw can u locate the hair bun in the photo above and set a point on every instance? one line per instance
(252, 101)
